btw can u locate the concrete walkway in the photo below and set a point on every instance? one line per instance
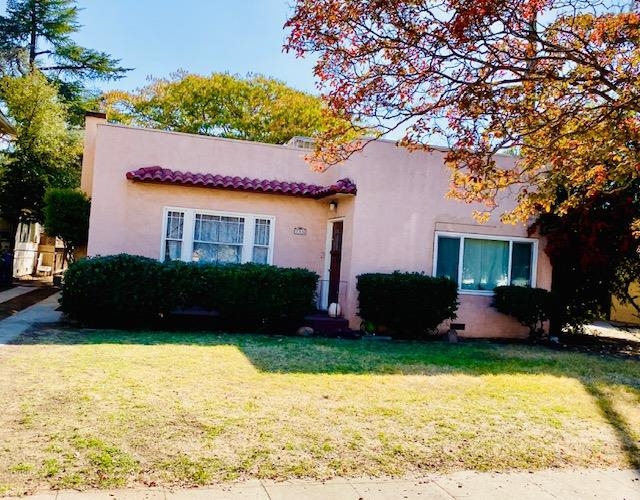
(543, 485)
(12, 293)
(607, 329)
(42, 312)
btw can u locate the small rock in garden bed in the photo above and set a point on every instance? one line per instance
(305, 331)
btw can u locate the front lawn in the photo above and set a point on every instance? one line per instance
(105, 409)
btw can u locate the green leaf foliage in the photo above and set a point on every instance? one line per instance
(66, 215)
(44, 154)
(408, 304)
(255, 108)
(595, 253)
(131, 291)
(530, 306)
(37, 35)
(119, 290)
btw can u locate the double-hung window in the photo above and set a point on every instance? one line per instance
(174, 232)
(480, 263)
(221, 238)
(261, 241)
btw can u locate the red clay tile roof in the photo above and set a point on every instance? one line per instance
(159, 175)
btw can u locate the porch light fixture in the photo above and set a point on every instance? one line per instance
(333, 205)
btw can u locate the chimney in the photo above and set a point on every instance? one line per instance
(92, 120)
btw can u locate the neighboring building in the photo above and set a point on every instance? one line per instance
(178, 196)
(25, 253)
(35, 253)
(5, 126)
(6, 131)
(625, 313)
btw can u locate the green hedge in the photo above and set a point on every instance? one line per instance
(247, 296)
(408, 304)
(132, 291)
(117, 290)
(530, 306)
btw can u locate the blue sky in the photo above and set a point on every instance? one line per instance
(157, 37)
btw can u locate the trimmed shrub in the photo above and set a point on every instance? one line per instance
(409, 304)
(246, 296)
(66, 215)
(264, 297)
(116, 290)
(189, 285)
(530, 306)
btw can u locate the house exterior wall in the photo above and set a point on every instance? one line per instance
(128, 216)
(389, 225)
(625, 313)
(400, 205)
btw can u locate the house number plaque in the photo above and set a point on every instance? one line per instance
(300, 231)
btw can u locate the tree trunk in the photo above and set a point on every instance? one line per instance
(633, 300)
(33, 38)
(13, 240)
(556, 317)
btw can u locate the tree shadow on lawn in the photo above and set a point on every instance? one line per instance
(280, 354)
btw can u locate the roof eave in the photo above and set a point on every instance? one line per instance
(159, 175)
(5, 125)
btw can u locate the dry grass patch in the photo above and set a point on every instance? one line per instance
(111, 409)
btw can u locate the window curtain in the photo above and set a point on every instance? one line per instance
(173, 250)
(485, 264)
(448, 257)
(175, 223)
(261, 241)
(521, 259)
(218, 239)
(173, 236)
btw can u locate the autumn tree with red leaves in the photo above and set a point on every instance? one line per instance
(595, 256)
(555, 81)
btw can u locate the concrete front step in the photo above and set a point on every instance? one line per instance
(324, 325)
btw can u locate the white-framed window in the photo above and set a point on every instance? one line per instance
(173, 234)
(479, 263)
(27, 232)
(194, 235)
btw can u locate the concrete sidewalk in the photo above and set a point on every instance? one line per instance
(42, 312)
(14, 292)
(607, 329)
(542, 485)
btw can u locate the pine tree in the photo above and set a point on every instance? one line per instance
(37, 34)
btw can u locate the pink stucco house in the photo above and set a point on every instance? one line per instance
(178, 196)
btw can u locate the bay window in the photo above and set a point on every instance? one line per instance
(216, 237)
(480, 263)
